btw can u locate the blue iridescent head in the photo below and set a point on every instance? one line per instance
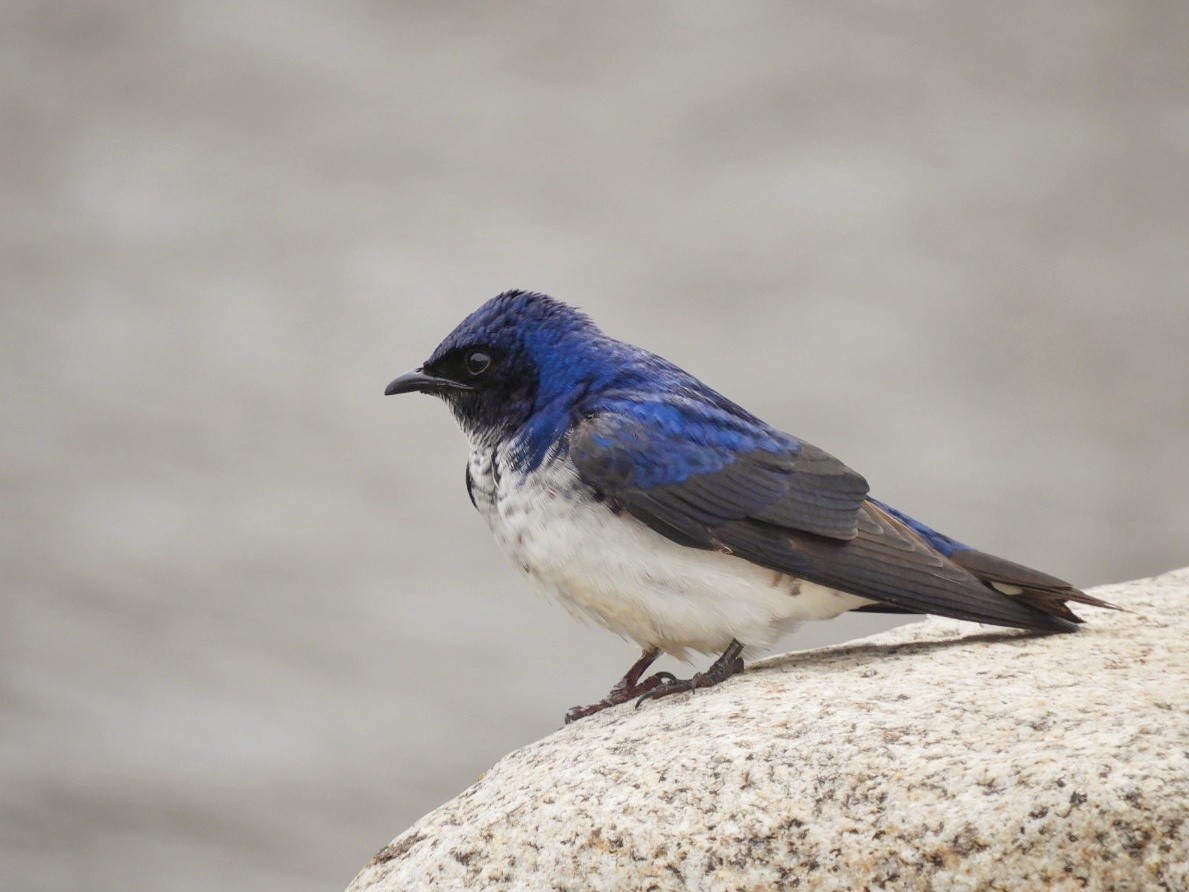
(520, 356)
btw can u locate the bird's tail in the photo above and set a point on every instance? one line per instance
(1046, 593)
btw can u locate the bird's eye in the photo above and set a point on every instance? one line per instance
(477, 362)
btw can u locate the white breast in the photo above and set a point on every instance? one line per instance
(613, 569)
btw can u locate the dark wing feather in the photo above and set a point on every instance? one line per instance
(685, 480)
(886, 562)
(1023, 584)
(724, 483)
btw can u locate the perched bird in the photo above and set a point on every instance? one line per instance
(636, 496)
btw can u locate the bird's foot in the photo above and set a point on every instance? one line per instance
(730, 663)
(622, 693)
(627, 688)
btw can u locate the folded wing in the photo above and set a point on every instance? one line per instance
(686, 468)
(718, 481)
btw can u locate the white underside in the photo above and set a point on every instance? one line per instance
(614, 570)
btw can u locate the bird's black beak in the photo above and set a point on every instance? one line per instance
(419, 381)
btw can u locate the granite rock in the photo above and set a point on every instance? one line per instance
(937, 756)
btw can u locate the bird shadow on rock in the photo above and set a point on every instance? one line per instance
(853, 654)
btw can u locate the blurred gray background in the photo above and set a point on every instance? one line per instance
(251, 627)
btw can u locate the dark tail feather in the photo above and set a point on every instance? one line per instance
(1046, 593)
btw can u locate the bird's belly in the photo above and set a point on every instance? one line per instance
(616, 571)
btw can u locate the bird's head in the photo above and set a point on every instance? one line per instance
(513, 368)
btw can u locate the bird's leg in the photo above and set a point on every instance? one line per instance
(626, 688)
(720, 670)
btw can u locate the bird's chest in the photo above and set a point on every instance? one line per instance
(599, 565)
(568, 543)
(531, 514)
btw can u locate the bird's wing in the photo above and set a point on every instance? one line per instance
(889, 563)
(685, 468)
(765, 497)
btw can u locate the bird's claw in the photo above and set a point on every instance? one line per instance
(672, 685)
(622, 694)
(723, 668)
(580, 712)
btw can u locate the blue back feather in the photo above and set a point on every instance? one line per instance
(580, 371)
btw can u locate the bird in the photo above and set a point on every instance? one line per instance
(641, 499)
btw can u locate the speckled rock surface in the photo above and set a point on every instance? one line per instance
(938, 756)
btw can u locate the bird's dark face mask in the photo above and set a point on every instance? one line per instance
(488, 387)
